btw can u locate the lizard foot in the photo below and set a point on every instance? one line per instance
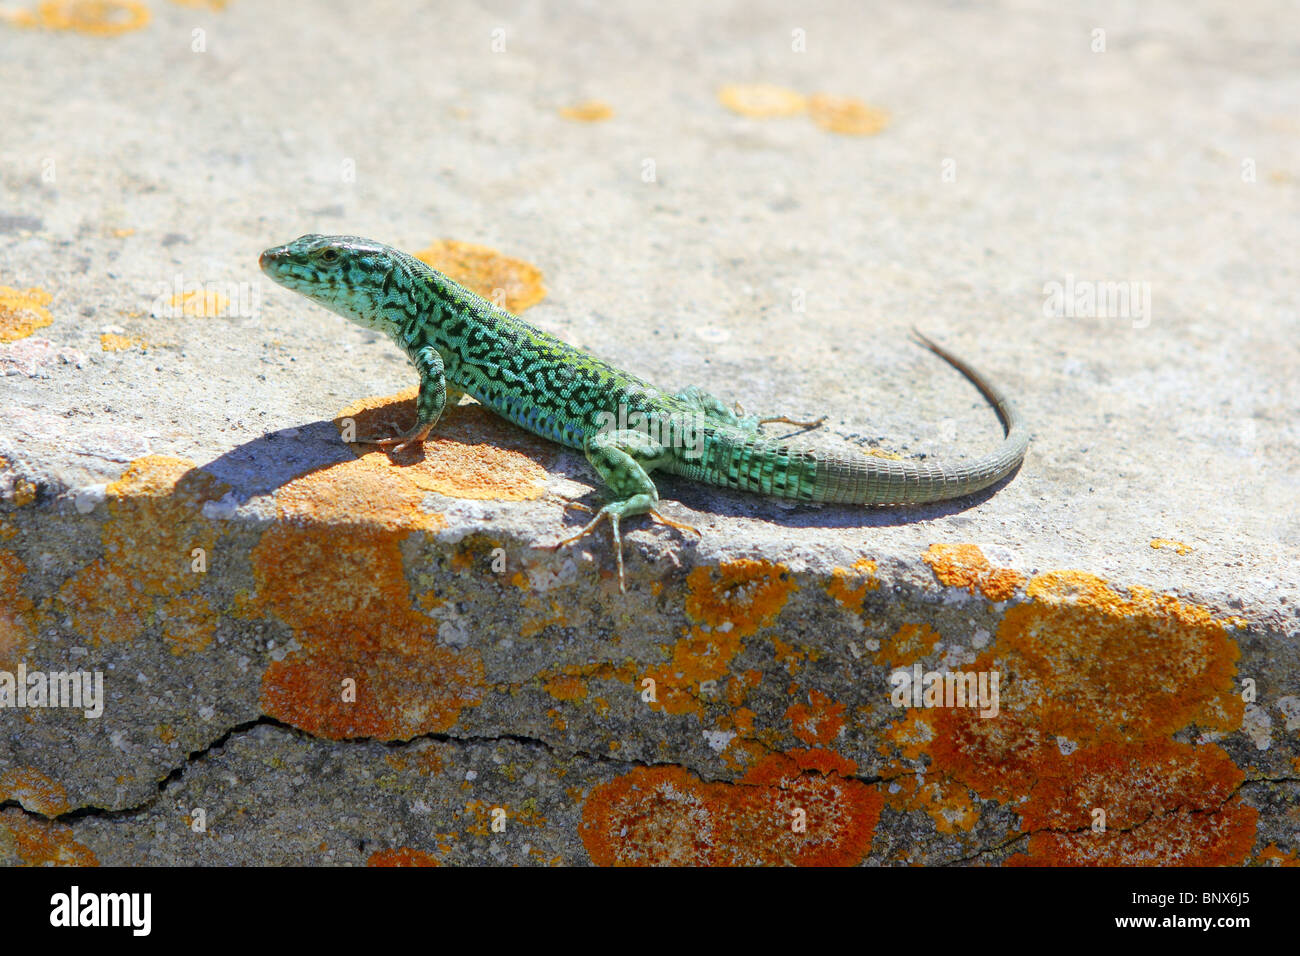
(413, 436)
(589, 527)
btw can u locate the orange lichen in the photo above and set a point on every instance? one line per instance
(591, 111)
(155, 524)
(22, 312)
(1105, 667)
(402, 856)
(844, 114)
(471, 454)
(733, 601)
(761, 100)
(742, 595)
(368, 665)
(1092, 686)
(792, 657)
(948, 804)
(668, 816)
(819, 721)
(566, 687)
(1176, 546)
(356, 493)
(513, 284)
(19, 618)
(964, 566)
(1165, 804)
(538, 616)
(35, 791)
(572, 682)
(188, 623)
(41, 842)
(849, 586)
(907, 645)
(1273, 855)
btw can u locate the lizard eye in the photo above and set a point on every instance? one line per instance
(329, 255)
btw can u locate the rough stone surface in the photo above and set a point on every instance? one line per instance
(178, 512)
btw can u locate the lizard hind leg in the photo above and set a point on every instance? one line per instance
(715, 409)
(624, 460)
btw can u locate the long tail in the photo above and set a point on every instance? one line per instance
(867, 480)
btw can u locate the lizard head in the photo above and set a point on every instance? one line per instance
(347, 274)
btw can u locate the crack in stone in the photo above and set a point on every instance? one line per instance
(1154, 815)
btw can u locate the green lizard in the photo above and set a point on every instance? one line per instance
(627, 428)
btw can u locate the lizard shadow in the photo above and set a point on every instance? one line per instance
(265, 464)
(794, 515)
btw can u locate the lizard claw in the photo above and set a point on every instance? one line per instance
(791, 421)
(663, 519)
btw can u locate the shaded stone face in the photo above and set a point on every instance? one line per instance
(340, 655)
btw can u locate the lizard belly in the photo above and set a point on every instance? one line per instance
(524, 412)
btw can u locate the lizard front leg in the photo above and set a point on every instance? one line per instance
(435, 394)
(624, 460)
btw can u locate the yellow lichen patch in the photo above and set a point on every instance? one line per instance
(1166, 804)
(801, 808)
(35, 791)
(907, 645)
(18, 616)
(368, 664)
(24, 492)
(22, 312)
(1176, 546)
(819, 721)
(592, 111)
(402, 856)
(112, 342)
(964, 566)
(761, 100)
(512, 284)
(201, 303)
(849, 586)
(41, 842)
(155, 534)
(202, 4)
(843, 114)
(471, 454)
(98, 17)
